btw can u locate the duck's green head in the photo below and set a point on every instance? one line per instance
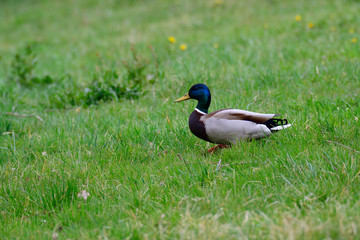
(201, 93)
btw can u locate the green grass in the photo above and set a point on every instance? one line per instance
(145, 172)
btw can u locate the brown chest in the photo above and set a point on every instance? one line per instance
(197, 126)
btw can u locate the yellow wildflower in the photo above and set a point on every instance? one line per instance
(310, 25)
(216, 45)
(333, 29)
(351, 31)
(266, 26)
(298, 18)
(172, 39)
(354, 40)
(218, 2)
(183, 47)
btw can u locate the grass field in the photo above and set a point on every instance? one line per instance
(122, 163)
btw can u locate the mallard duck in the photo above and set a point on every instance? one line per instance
(228, 126)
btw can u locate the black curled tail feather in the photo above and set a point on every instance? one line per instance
(274, 122)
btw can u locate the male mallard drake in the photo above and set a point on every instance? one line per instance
(227, 126)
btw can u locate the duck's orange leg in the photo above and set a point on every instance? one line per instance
(219, 146)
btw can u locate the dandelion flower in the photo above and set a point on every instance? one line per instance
(218, 2)
(172, 39)
(333, 29)
(310, 25)
(216, 45)
(354, 40)
(351, 31)
(183, 47)
(298, 18)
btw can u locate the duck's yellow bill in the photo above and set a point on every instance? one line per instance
(186, 97)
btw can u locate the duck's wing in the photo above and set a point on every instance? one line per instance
(230, 125)
(237, 114)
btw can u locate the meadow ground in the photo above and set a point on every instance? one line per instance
(111, 155)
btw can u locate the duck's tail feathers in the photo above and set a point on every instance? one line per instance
(277, 124)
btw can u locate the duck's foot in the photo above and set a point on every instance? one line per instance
(217, 147)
